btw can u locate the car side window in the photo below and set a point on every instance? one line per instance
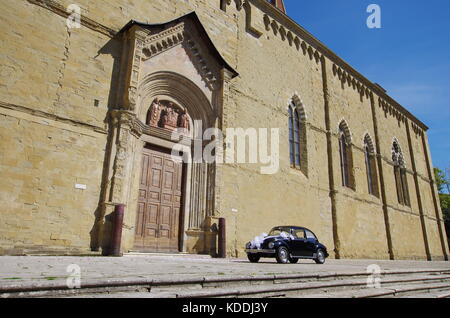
(310, 235)
(299, 234)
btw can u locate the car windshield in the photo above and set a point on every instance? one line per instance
(278, 230)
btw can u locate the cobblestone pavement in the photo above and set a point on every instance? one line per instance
(38, 269)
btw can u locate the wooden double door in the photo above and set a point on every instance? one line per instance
(159, 203)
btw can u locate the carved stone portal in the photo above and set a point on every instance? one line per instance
(167, 115)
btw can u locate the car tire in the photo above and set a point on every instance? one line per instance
(282, 255)
(253, 258)
(320, 259)
(293, 260)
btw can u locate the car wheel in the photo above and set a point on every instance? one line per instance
(293, 260)
(253, 258)
(320, 258)
(282, 255)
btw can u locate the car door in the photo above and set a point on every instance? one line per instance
(298, 243)
(310, 244)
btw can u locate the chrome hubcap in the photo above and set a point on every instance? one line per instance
(320, 256)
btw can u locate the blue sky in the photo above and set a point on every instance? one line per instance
(409, 56)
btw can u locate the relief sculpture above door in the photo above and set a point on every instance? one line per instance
(167, 115)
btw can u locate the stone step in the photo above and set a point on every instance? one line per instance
(345, 288)
(419, 290)
(412, 290)
(294, 289)
(216, 285)
(431, 294)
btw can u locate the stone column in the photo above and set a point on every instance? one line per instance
(126, 137)
(126, 134)
(382, 184)
(331, 181)
(434, 192)
(419, 196)
(223, 121)
(197, 202)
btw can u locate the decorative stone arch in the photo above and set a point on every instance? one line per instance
(346, 155)
(297, 103)
(397, 153)
(344, 128)
(298, 141)
(401, 180)
(368, 141)
(182, 91)
(371, 165)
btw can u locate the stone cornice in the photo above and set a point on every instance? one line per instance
(294, 27)
(45, 115)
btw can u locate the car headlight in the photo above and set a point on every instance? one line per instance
(271, 245)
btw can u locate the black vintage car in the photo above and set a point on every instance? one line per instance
(287, 244)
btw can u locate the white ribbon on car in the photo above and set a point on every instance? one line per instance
(259, 240)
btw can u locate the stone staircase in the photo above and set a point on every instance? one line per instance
(419, 283)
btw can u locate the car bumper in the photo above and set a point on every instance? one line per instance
(259, 251)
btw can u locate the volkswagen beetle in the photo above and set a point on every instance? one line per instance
(287, 244)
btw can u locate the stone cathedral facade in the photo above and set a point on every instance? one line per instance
(87, 114)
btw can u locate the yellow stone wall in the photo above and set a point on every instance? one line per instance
(53, 135)
(41, 162)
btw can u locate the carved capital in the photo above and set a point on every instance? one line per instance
(131, 65)
(128, 120)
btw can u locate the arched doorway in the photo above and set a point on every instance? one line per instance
(173, 189)
(176, 66)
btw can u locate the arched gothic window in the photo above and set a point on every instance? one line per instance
(371, 167)
(297, 137)
(346, 156)
(401, 181)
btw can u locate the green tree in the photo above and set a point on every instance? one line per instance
(447, 174)
(442, 180)
(445, 205)
(443, 185)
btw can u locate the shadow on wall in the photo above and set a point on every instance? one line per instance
(213, 244)
(447, 230)
(102, 228)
